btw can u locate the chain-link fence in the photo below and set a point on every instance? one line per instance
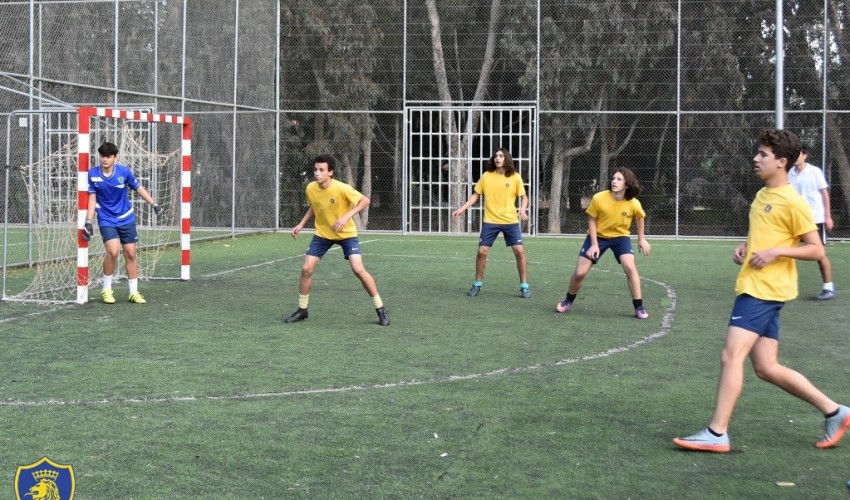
(675, 90)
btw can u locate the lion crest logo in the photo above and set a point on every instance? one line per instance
(45, 480)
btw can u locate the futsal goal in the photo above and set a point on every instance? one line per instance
(45, 258)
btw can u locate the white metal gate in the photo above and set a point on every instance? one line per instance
(445, 158)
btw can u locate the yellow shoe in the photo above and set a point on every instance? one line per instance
(136, 298)
(107, 296)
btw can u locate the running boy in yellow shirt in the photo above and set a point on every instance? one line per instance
(779, 220)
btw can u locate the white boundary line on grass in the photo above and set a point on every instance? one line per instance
(666, 325)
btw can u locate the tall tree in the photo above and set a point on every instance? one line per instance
(336, 44)
(838, 58)
(458, 143)
(603, 56)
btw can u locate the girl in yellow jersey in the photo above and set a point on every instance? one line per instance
(779, 220)
(500, 186)
(609, 218)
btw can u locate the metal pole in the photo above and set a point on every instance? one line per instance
(405, 126)
(233, 125)
(780, 66)
(824, 67)
(535, 161)
(156, 55)
(678, 114)
(30, 144)
(6, 198)
(277, 119)
(115, 57)
(183, 64)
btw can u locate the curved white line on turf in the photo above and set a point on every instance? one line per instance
(666, 325)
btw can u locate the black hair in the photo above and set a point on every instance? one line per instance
(107, 149)
(330, 160)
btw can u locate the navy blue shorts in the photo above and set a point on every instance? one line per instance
(125, 234)
(620, 245)
(822, 232)
(489, 232)
(756, 315)
(319, 246)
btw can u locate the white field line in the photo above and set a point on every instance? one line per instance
(40, 312)
(666, 325)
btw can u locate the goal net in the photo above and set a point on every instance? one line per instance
(59, 265)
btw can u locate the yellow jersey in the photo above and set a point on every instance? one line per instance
(613, 217)
(329, 205)
(500, 194)
(778, 218)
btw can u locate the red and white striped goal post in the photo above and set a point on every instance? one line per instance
(85, 114)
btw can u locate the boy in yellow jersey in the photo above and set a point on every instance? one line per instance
(779, 220)
(609, 218)
(500, 185)
(333, 203)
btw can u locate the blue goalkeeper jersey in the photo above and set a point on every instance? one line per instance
(113, 205)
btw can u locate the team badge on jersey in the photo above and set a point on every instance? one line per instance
(120, 180)
(45, 480)
(768, 208)
(333, 200)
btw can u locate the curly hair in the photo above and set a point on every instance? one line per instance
(633, 187)
(783, 143)
(330, 160)
(510, 168)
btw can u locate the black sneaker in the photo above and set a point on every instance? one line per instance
(383, 317)
(473, 291)
(297, 316)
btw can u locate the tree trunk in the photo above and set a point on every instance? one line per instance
(604, 153)
(366, 187)
(657, 175)
(459, 168)
(836, 140)
(560, 162)
(348, 175)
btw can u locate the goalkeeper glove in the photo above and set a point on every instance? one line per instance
(157, 209)
(88, 230)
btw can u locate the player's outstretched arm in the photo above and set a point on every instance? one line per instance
(362, 203)
(523, 207)
(826, 209)
(304, 220)
(643, 244)
(593, 251)
(471, 201)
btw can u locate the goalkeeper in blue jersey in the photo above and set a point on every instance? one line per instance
(116, 220)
